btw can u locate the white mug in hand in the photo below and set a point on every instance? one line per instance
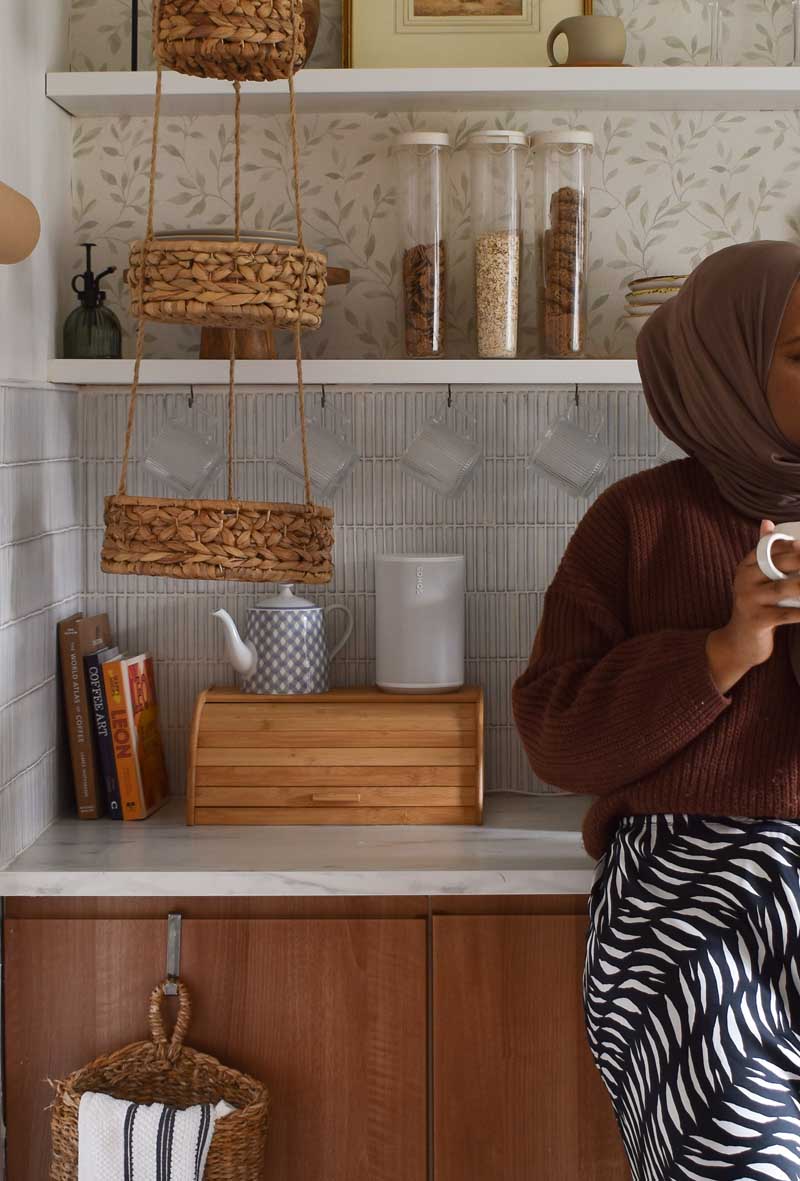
(789, 531)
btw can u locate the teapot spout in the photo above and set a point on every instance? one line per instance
(241, 655)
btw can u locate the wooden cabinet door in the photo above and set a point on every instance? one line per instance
(516, 1094)
(329, 1013)
(73, 990)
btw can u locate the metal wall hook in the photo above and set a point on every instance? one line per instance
(173, 971)
(449, 395)
(322, 403)
(190, 398)
(577, 397)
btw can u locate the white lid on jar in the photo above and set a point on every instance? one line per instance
(498, 138)
(430, 139)
(563, 137)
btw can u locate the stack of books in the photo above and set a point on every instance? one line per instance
(112, 718)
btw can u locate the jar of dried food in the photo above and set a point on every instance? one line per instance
(498, 160)
(563, 165)
(422, 159)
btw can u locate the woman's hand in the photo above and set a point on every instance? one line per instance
(748, 637)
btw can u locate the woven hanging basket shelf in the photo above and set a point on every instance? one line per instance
(241, 40)
(228, 284)
(231, 284)
(165, 1071)
(231, 540)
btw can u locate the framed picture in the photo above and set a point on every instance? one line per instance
(378, 33)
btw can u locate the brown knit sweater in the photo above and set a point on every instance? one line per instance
(618, 700)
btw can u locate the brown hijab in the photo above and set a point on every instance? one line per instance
(704, 359)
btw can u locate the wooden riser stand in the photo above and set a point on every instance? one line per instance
(351, 756)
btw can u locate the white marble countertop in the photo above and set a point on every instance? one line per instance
(526, 845)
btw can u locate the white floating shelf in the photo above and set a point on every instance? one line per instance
(351, 373)
(639, 88)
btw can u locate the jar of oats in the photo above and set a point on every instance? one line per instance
(422, 160)
(562, 167)
(498, 160)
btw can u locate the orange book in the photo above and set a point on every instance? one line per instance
(119, 724)
(140, 692)
(133, 718)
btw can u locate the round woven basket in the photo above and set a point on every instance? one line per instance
(230, 540)
(239, 40)
(165, 1071)
(228, 284)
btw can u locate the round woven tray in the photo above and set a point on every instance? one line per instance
(239, 40)
(166, 1071)
(228, 284)
(218, 540)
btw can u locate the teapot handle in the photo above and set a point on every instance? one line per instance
(349, 631)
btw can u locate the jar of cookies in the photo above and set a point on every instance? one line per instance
(563, 164)
(498, 160)
(422, 158)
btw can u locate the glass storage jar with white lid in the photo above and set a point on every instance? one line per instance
(498, 160)
(422, 161)
(562, 166)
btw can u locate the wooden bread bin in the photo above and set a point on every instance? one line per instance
(351, 756)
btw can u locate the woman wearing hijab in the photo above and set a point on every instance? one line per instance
(664, 681)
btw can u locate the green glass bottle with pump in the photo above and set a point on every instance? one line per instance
(92, 329)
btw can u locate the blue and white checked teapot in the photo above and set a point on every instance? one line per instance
(285, 648)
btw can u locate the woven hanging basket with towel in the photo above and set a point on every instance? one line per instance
(230, 284)
(163, 1070)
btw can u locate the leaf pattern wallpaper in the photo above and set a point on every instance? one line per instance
(668, 188)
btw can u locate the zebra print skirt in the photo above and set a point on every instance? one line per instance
(691, 993)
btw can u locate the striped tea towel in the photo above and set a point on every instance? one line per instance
(121, 1141)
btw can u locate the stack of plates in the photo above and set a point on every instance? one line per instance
(646, 294)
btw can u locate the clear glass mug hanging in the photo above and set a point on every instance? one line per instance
(571, 457)
(185, 454)
(331, 456)
(668, 452)
(443, 456)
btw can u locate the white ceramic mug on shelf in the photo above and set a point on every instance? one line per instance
(788, 531)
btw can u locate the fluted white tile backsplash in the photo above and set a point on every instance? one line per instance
(41, 580)
(59, 457)
(511, 526)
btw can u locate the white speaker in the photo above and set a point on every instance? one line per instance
(419, 622)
